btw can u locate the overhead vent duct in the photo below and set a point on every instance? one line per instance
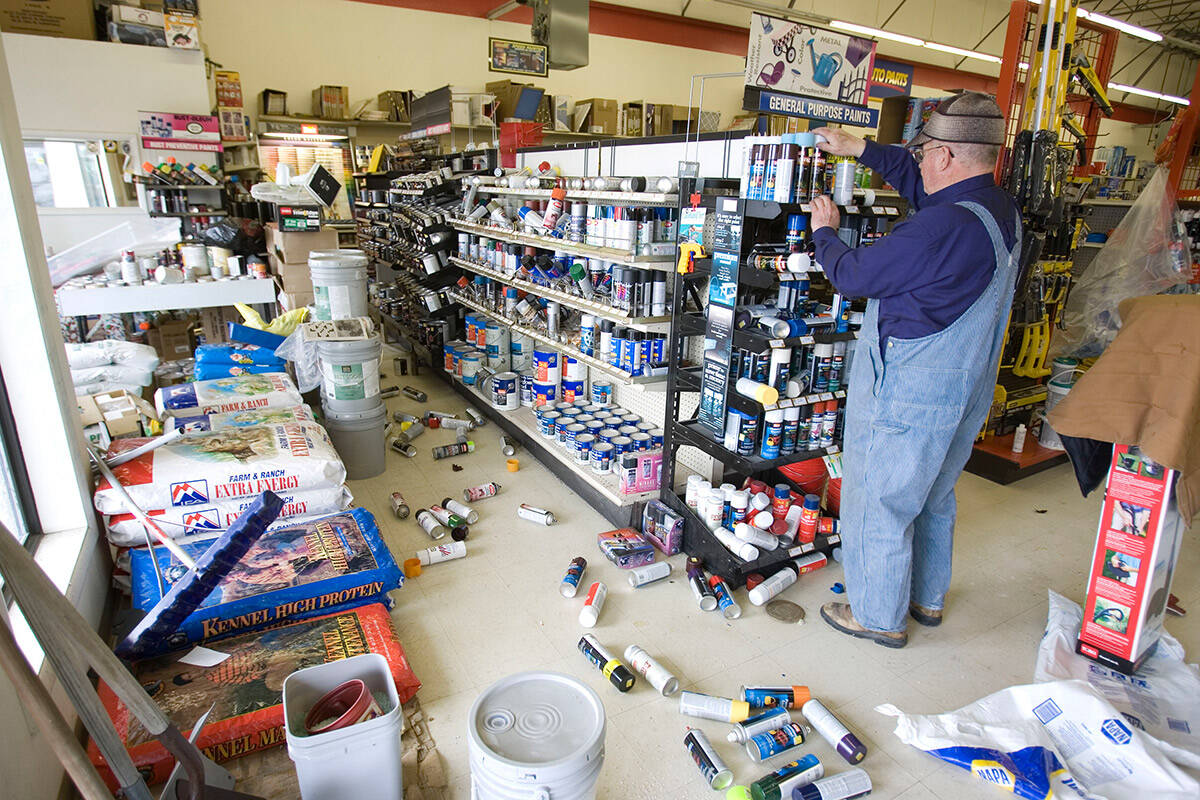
(562, 25)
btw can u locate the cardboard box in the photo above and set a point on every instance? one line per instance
(331, 102)
(662, 527)
(1137, 546)
(631, 122)
(273, 102)
(119, 413)
(70, 19)
(395, 103)
(135, 15)
(601, 116)
(561, 106)
(172, 339)
(182, 32)
(306, 218)
(214, 323)
(289, 301)
(125, 33)
(625, 548)
(511, 98)
(291, 277)
(293, 247)
(639, 472)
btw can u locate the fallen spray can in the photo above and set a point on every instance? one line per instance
(442, 552)
(464, 511)
(616, 672)
(481, 492)
(843, 786)
(648, 573)
(478, 419)
(453, 522)
(780, 783)
(719, 709)
(658, 676)
(389, 391)
(452, 450)
(767, 721)
(508, 445)
(593, 604)
(833, 731)
(415, 394)
(774, 742)
(776, 696)
(399, 506)
(535, 514)
(704, 596)
(452, 423)
(429, 524)
(569, 586)
(724, 594)
(711, 766)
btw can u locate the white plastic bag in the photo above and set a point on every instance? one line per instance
(1162, 699)
(304, 356)
(112, 351)
(1049, 741)
(113, 373)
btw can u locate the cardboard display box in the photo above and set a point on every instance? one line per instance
(293, 247)
(291, 277)
(599, 115)
(70, 19)
(631, 121)
(302, 218)
(214, 323)
(172, 339)
(182, 32)
(395, 103)
(331, 102)
(1137, 546)
(512, 97)
(113, 415)
(290, 301)
(561, 105)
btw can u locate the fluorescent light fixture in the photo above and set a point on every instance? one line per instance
(877, 33)
(1121, 25)
(958, 51)
(1170, 98)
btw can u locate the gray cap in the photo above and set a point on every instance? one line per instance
(967, 118)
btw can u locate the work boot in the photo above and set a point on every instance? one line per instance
(840, 618)
(929, 617)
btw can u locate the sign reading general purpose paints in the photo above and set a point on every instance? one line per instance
(891, 78)
(518, 58)
(786, 56)
(826, 110)
(162, 131)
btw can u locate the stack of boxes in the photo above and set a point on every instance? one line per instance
(287, 256)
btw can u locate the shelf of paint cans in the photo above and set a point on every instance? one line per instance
(524, 418)
(696, 435)
(641, 381)
(699, 541)
(609, 198)
(611, 254)
(658, 324)
(769, 209)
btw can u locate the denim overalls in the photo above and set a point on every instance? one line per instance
(912, 415)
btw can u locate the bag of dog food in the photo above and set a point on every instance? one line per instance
(270, 390)
(241, 419)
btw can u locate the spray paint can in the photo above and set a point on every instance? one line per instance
(648, 573)
(782, 501)
(780, 783)
(508, 445)
(767, 721)
(725, 600)
(535, 514)
(400, 444)
(464, 511)
(809, 515)
(452, 423)
(442, 552)
(399, 506)
(452, 450)
(658, 676)
(429, 524)
(719, 709)
(711, 766)
(704, 596)
(593, 604)
(481, 492)
(389, 391)
(569, 586)
(773, 585)
(456, 524)
(616, 672)
(477, 418)
(843, 786)
(776, 696)
(415, 393)
(833, 731)
(772, 743)
(755, 536)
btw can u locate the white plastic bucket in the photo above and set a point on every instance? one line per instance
(1055, 392)
(1064, 369)
(339, 279)
(361, 761)
(358, 438)
(535, 736)
(350, 374)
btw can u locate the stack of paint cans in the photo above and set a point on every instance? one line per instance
(596, 436)
(355, 414)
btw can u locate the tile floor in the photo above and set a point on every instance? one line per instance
(469, 622)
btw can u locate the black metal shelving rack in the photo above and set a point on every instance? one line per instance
(758, 221)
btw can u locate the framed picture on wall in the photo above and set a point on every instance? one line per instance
(518, 58)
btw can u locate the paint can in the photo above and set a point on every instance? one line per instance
(573, 369)
(527, 395)
(617, 673)
(658, 676)
(573, 390)
(547, 423)
(569, 586)
(535, 729)
(521, 351)
(448, 353)
(535, 514)
(602, 393)
(544, 392)
(607, 435)
(627, 430)
(711, 766)
(601, 458)
(656, 439)
(506, 391)
(1065, 370)
(593, 604)
(498, 342)
(574, 431)
(546, 367)
(594, 427)
(641, 442)
(648, 573)
(622, 445)
(481, 492)
(583, 447)
(560, 430)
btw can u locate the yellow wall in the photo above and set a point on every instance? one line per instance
(297, 45)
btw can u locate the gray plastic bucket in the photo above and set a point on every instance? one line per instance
(536, 736)
(350, 374)
(358, 438)
(339, 279)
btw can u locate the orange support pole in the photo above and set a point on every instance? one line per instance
(1188, 123)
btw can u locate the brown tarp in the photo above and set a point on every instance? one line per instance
(1145, 390)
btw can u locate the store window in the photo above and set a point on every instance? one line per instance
(71, 173)
(17, 512)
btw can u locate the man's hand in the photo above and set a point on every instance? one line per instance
(840, 142)
(824, 213)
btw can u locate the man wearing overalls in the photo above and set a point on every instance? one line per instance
(939, 287)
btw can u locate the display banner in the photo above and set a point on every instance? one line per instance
(787, 56)
(517, 58)
(825, 110)
(722, 297)
(891, 78)
(163, 131)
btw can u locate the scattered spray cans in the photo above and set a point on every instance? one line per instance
(719, 709)
(648, 573)
(452, 450)
(456, 524)
(616, 672)
(593, 604)
(415, 394)
(704, 596)
(508, 445)
(769, 720)
(453, 423)
(429, 524)
(464, 511)
(535, 514)
(725, 601)
(843, 786)
(481, 492)
(658, 676)
(772, 743)
(569, 586)
(833, 731)
(711, 766)
(780, 783)
(477, 418)
(389, 391)
(442, 552)
(399, 506)
(776, 696)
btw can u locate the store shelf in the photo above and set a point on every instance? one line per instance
(597, 491)
(162, 297)
(180, 214)
(696, 435)
(610, 254)
(758, 342)
(640, 381)
(602, 197)
(769, 209)
(1107, 201)
(574, 301)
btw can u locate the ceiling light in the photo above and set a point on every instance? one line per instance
(877, 33)
(1170, 98)
(958, 51)
(1121, 25)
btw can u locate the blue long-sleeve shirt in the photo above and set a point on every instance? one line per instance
(934, 264)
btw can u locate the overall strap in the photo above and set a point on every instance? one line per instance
(1003, 255)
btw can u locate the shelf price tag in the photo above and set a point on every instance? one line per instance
(891, 210)
(807, 340)
(825, 396)
(851, 209)
(800, 549)
(832, 449)
(775, 342)
(833, 538)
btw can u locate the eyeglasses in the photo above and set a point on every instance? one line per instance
(919, 152)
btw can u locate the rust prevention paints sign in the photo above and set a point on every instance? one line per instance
(787, 56)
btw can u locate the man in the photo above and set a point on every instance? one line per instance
(939, 288)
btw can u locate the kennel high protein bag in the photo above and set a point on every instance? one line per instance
(220, 465)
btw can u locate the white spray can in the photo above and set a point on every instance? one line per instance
(443, 552)
(651, 670)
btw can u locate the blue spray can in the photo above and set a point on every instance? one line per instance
(765, 745)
